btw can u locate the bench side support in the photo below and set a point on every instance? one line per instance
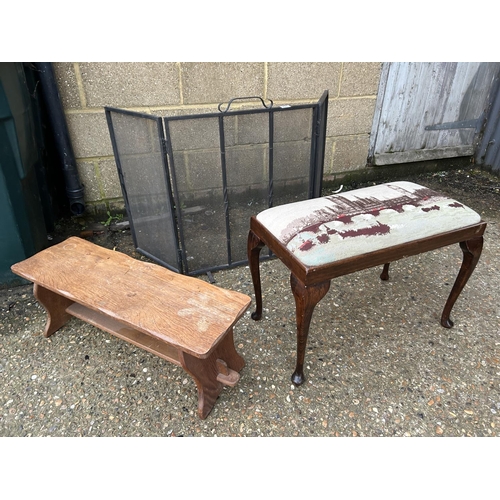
(220, 368)
(55, 305)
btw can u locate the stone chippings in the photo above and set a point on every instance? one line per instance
(378, 362)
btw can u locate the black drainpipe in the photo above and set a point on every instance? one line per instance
(74, 189)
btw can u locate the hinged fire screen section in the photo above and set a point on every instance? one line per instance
(190, 183)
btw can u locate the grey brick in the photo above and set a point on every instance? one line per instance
(360, 79)
(299, 80)
(67, 85)
(350, 116)
(293, 125)
(97, 208)
(168, 112)
(247, 166)
(116, 205)
(328, 161)
(198, 170)
(196, 133)
(350, 153)
(250, 129)
(88, 177)
(131, 84)
(221, 81)
(136, 134)
(109, 179)
(292, 160)
(89, 134)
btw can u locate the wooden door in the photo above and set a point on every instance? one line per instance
(428, 111)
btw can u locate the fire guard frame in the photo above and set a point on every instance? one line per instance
(190, 183)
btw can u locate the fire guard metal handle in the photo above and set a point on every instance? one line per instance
(245, 98)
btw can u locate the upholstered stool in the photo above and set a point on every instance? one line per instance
(322, 238)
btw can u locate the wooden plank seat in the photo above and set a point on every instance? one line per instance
(179, 318)
(322, 238)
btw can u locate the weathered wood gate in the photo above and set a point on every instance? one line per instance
(488, 152)
(428, 111)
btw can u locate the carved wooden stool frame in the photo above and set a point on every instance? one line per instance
(310, 284)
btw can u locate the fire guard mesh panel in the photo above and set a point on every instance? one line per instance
(191, 183)
(137, 143)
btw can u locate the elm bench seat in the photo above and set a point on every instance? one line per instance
(322, 238)
(179, 318)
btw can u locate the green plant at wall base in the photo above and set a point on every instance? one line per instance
(112, 218)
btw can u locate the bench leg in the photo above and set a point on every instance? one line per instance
(255, 245)
(306, 298)
(221, 368)
(55, 305)
(471, 252)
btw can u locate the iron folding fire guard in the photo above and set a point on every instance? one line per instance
(190, 183)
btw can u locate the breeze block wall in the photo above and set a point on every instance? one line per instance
(172, 89)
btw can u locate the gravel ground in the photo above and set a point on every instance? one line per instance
(378, 362)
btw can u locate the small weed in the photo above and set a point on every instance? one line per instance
(111, 218)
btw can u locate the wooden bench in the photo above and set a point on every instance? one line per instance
(179, 318)
(322, 238)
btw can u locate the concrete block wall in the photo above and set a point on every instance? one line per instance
(170, 89)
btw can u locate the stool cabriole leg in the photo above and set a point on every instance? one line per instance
(55, 305)
(471, 252)
(306, 298)
(384, 276)
(254, 246)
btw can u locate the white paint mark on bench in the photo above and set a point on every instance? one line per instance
(201, 311)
